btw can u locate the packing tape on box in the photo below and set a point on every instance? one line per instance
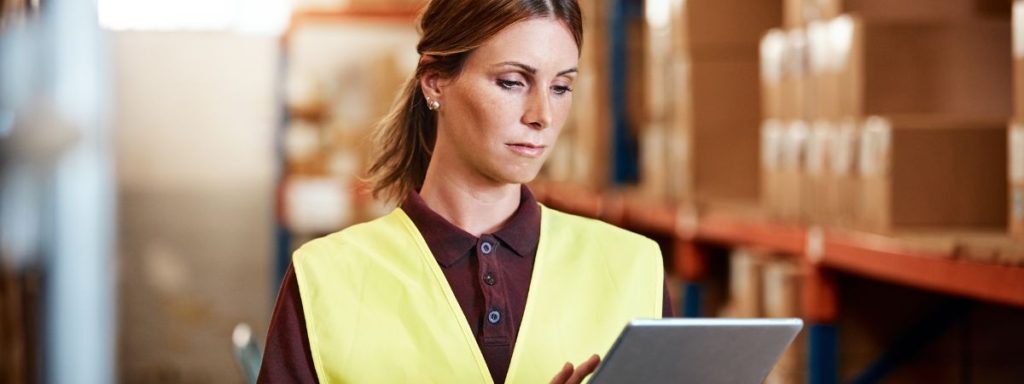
(817, 147)
(771, 142)
(796, 53)
(1017, 204)
(773, 50)
(819, 46)
(844, 149)
(1016, 153)
(1018, 28)
(793, 145)
(841, 32)
(874, 146)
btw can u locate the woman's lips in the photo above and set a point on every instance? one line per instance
(526, 149)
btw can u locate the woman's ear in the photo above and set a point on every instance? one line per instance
(430, 85)
(431, 82)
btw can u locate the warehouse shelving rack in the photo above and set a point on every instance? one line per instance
(820, 252)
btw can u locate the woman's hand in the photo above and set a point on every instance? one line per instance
(568, 375)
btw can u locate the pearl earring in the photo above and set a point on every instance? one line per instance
(433, 105)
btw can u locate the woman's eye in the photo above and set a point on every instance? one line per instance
(509, 84)
(561, 89)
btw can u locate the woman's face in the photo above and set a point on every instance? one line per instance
(500, 117)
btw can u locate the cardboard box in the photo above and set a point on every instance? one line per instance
(1015, 205)
(925, 173)
(794, 76)
(815, 171)
(679, 163)
(746, 286)
(926, 11)
(725, 120)
(590, 118)
(665, 156)
(654, 170)
(772, 51)
(957, 70)
(842, 183)
(733, 24)
(771, 159)
(824, 59)
(798, 13)
(793, 155)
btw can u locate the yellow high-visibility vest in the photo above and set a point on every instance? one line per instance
(379, 310)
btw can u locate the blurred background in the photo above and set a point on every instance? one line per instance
(855, 163)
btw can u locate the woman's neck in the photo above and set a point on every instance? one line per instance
(476, 206)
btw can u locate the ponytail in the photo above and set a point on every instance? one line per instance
(403, 142)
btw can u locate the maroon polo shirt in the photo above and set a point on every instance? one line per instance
(490, 276)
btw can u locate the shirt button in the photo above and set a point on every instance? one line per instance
(494, 316)
(489, 279)
(486, 248)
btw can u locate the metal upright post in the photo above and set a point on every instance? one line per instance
(691, 265)
(821, 312)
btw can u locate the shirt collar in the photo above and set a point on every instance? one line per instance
(449, 243)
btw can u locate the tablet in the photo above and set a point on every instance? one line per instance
(697, 351)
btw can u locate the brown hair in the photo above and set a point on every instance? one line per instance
(450, 30)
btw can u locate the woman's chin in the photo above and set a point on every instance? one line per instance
(518, 176)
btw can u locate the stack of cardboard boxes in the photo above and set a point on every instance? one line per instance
(581, 156)
(700, 139)
(887, 119)
(666, 172)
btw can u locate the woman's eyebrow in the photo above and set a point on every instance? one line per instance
(527, 68)
(532, 70)
(567, 71)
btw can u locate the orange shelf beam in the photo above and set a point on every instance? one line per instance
(873, 256)
(885, 259)
(720, 228)
(649, 217)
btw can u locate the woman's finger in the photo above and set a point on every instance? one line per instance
(564, 375)
(584, 369)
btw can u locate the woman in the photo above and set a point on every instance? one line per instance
(470, 280)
